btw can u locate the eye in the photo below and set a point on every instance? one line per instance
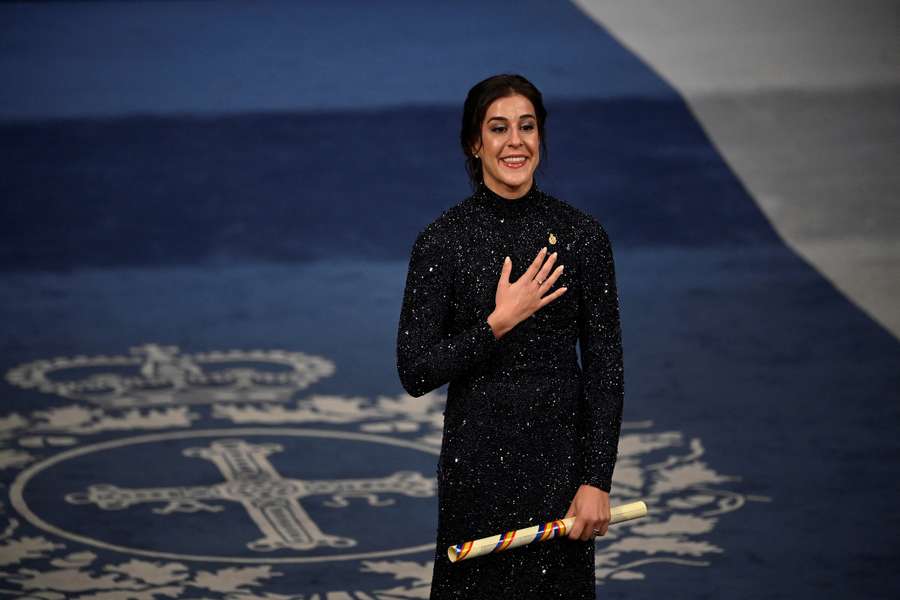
(528, 126)
(498, 129)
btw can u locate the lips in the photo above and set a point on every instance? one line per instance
(514, 162)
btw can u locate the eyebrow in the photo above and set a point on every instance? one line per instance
(520, 118)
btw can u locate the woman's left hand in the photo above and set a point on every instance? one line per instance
(590, 507)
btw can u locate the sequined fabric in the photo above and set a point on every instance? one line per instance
(524, 423)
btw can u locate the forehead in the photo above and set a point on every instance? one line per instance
(510, 107)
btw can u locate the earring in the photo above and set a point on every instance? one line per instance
(476, 156)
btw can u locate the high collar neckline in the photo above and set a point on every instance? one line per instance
(495, 200)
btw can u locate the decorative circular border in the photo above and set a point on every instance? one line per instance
(17, 490)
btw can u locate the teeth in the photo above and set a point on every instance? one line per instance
(515, 159)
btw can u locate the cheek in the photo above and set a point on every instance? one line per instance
(535, 148)
(494, 146)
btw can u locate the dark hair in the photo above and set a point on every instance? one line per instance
(477, 102)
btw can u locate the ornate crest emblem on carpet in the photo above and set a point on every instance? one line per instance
(220, 452)
(157, 375)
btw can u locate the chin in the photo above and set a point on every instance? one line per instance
(517, 181)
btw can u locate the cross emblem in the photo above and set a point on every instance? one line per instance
(272, 501)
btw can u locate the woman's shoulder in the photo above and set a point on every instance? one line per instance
(438, 232)
(584, 225)
(449, 222)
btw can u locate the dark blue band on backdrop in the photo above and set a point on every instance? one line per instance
(143, 191)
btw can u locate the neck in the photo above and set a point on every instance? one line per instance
(507, 192)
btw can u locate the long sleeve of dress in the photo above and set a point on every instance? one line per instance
(601, 357)
(429, 356)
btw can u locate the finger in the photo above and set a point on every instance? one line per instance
(570, 513)
(549, 281)
(535, 264)
(602, 526)
(586, 534)
(506, 270)
(552, 296)
(577, 529)
(545, 270)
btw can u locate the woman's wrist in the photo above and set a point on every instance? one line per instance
(499, 324)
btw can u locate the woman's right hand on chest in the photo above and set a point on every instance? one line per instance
(516, 301)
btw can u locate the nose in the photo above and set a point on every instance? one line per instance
(514, 139)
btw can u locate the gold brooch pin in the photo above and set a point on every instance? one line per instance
(552, 239)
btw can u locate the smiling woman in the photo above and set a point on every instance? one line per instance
(529, 434)
(503, 135)
(509, 148)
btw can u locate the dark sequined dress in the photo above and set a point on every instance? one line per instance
(524, 423)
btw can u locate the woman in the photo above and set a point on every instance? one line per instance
(529, 436)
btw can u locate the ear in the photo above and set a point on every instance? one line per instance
(476, 148)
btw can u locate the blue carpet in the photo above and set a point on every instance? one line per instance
(270, 247)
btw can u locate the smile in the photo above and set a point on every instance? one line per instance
(514, 162)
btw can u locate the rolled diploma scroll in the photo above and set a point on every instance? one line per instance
(536, 533)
